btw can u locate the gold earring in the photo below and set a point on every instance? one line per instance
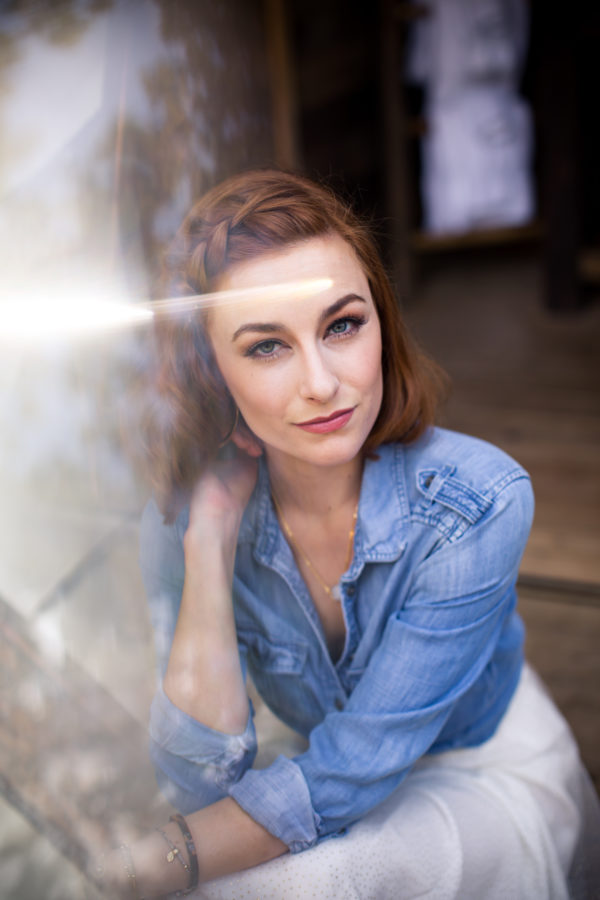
(229, 434)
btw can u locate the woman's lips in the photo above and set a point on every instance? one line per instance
(324, 425)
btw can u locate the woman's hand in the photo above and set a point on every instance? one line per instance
(220, 496)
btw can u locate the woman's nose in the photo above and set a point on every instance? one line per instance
(318, 379)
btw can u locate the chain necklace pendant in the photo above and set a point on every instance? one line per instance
(334, 592)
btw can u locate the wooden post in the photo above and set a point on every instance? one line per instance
(395, 146)
(559, 153)
(283, 86)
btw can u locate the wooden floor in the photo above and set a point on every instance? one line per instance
(563, 631)
(529, 381)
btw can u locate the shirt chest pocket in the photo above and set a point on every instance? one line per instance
(267, 657)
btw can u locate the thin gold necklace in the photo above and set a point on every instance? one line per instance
(333, 592)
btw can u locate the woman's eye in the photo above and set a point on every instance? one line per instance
(264, 349)
(340, 327)
(349, 325)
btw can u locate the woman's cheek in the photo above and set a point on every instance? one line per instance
(261, 397)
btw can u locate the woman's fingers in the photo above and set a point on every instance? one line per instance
(217, 506)
(238, 476)
(245, 440)
(223, 490)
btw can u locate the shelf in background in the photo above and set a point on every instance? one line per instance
(425, 242)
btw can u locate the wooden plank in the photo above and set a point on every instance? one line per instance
(283, 88)
(563, 636)
(580, 593)
(424, 242)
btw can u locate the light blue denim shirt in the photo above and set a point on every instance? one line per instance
(433, 647)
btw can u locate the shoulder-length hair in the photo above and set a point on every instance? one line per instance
(246, 215)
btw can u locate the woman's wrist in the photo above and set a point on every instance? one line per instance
(207, 547)
(163, 863)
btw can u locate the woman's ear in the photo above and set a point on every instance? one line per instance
(243, 438)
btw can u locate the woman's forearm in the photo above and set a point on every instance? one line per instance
(226, 840)
(204, 677)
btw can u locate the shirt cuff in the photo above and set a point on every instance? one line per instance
(278, 799)
(180, 734)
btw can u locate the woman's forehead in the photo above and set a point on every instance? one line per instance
(328, 256)
(305, 278)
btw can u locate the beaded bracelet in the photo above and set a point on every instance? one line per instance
(130, 870)
(192, 855)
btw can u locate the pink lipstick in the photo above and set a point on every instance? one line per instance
(323, 425)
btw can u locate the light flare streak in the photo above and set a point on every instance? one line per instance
(40, 319)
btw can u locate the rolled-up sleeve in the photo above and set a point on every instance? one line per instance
(195, 764)
(432, 652)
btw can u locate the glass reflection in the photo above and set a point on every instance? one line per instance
(114, 115)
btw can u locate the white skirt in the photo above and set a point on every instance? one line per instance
(513, 819)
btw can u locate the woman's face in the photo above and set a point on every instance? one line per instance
(305, 372)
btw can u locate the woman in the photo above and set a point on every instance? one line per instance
(312, 527)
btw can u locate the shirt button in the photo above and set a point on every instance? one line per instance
(351, 590)
(339, 703)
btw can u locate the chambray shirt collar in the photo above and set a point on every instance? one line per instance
(383, 512)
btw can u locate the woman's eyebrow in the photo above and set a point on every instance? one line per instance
(270, 327)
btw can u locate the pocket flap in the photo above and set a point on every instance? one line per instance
(440, 486)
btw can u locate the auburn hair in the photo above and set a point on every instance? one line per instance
(248, 214)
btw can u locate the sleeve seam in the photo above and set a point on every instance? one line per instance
(505, 481)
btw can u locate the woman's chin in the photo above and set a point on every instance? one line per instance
(326, 451)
